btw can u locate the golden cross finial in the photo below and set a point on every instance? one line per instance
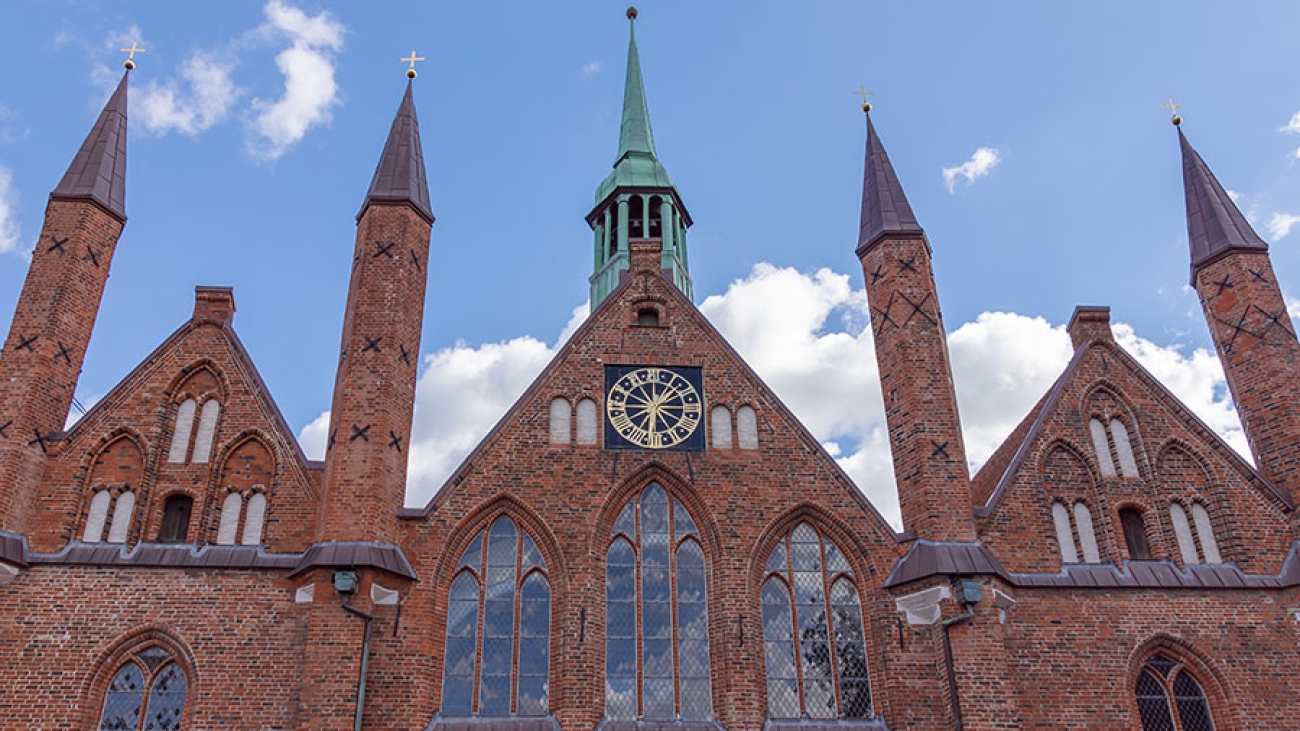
(410, 73)
(1173, 111)
(862, 92)
(135, 48)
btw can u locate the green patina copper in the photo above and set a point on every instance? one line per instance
(637, 172)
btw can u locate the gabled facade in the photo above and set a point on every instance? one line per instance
(648, 538)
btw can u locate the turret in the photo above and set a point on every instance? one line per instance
(374, 389)
(637, 201)
(1248, 320)
(56, 311)
(912, 352)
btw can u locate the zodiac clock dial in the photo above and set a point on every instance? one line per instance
(653, 408)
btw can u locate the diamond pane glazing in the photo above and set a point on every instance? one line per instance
(166, 700)
(697, 698)
(532, 556)
(123, 700)
(654, 510)
(620, 698)
(659, 704)
(473, 555)
(626, 521)
(778, 562)
(682, 520)
(782, 697)
(819, 697)
(458, 654)
(1193, 708)
(835, 561)
(1153, 704)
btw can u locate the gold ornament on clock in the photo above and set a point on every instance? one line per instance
(654, 408)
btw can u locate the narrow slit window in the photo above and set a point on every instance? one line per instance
(254, 517)
(747, 427)
(122, 509)
(231, 507)
(1064, 533)
(587, 422)
(96, 516)
(207, 431)
(561, 416)
(181, 434)
(720, 427)
(1183, 532)
(1205, 530)
(1124, 448)
(1087, 534)
(1102, 447)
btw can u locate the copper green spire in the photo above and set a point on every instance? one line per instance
(635, 134)
(637, 200)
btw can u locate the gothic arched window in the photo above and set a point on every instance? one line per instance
(1170, 699)
(498, 651)
(657, 618)
(811, 612)
(147, 692)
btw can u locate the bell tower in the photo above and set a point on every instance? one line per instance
(56, 311)
(637, 201)
(1248, 319)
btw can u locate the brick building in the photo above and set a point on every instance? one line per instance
(648, 538)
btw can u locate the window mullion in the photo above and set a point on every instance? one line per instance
(831, 644)
(794, 620)
(672, 613)
(640, 605)
(482, 625)
(519, 591)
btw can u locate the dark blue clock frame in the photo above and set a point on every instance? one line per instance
(655, 408)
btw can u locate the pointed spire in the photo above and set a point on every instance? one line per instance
(1215, 225)
(885, 209)
(399, 176)
(98, 172)
(634, 134)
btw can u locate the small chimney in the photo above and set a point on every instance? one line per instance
(1088, 323)
(214, 304)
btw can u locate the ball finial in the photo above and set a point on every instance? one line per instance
(410, 73)
(631, 12)
(128, 64)
(1176, 120)
(866, 107)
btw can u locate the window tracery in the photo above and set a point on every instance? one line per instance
(146, 693)
(812, 631)
(1169, 698)
(497, 655)
(656, 638)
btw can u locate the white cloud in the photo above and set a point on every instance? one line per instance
(591, 68)
(806, 335)
(980, 164)
(1281, 224)
(310, 89)
(205, 98)
(1293, 127)
(9, 235)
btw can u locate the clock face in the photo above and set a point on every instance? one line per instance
(653, 408)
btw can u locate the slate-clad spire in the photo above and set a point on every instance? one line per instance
(399, 177)
(1215, 225)
(98, 172)
(885, 209)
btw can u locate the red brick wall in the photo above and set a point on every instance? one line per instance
(920, 401)
(374, 391)
(1261, 358)
(54, 317)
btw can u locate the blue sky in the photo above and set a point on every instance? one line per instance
(255, 127)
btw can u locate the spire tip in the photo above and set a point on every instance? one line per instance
(631, 12)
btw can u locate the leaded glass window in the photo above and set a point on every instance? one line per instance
(657, 618)
(1170, 699)
(496, 660)
(147, 692)
(812, 631)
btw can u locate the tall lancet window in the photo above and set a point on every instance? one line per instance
(812, 631)
(497, 660)
(657, 618)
